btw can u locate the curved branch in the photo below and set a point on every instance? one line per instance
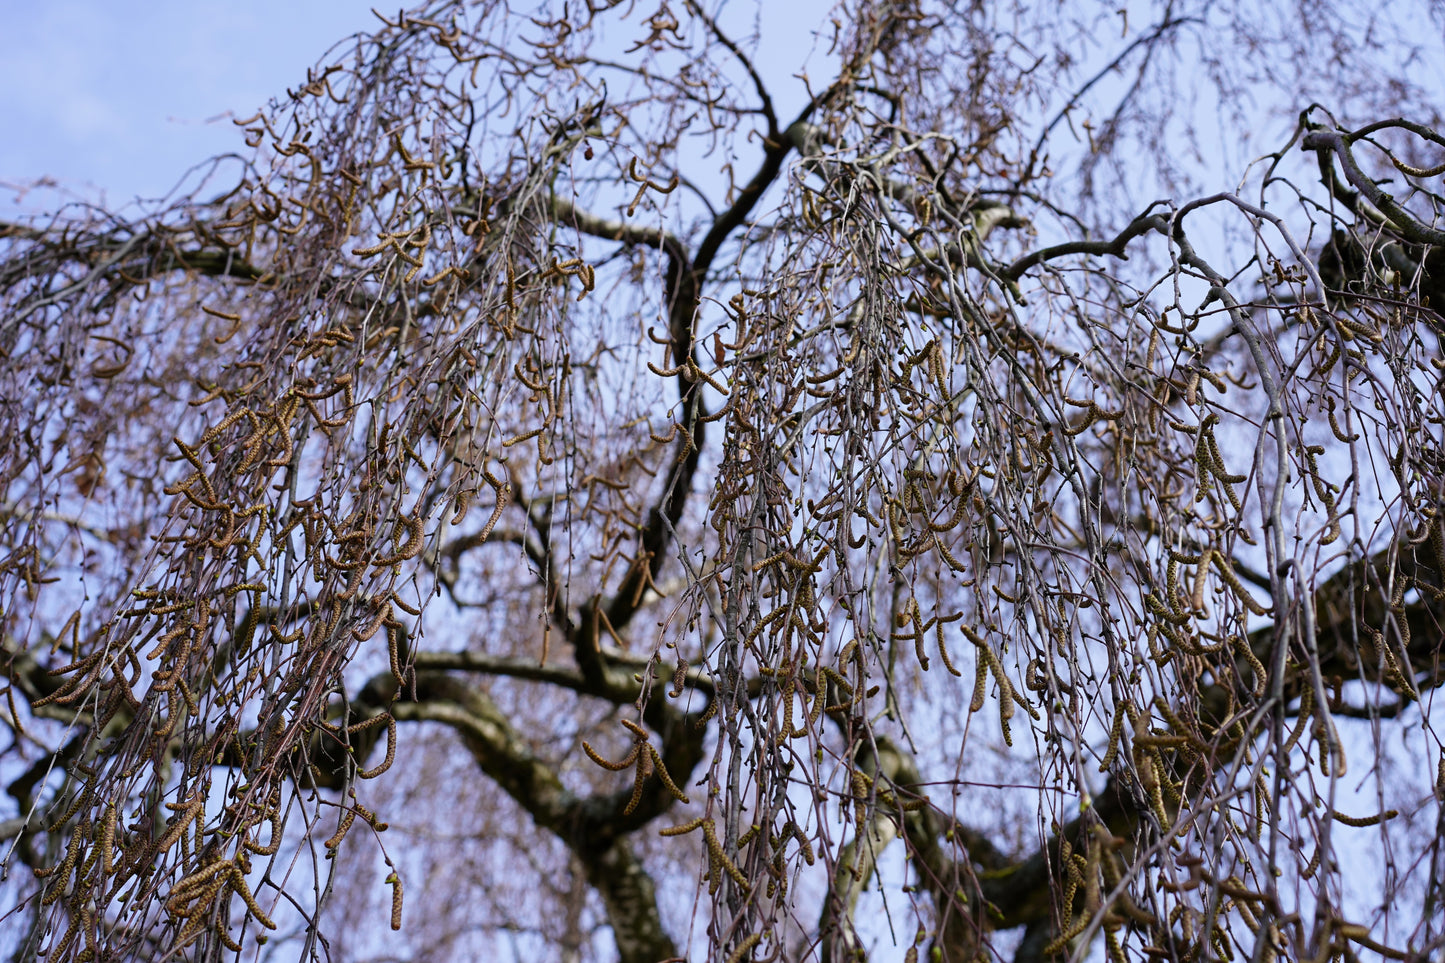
(611, 866)
(1118, 247)
(746, 61)
(1337, 142)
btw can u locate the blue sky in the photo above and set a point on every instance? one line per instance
(116, 99)
(123, 97)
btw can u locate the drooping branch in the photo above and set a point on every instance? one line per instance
(1365, 631)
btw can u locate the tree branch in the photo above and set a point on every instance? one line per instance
(1118, 247)
(626, 888)
(1326, 141)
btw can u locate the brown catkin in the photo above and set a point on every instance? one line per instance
(395, 882)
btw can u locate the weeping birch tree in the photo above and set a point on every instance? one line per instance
(576, 487)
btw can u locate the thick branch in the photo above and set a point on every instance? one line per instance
(682, 283)
(683, 291)
(1337, 142)
(566, 212)
(1118, 247)
(626, 888)
(1356, 624)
